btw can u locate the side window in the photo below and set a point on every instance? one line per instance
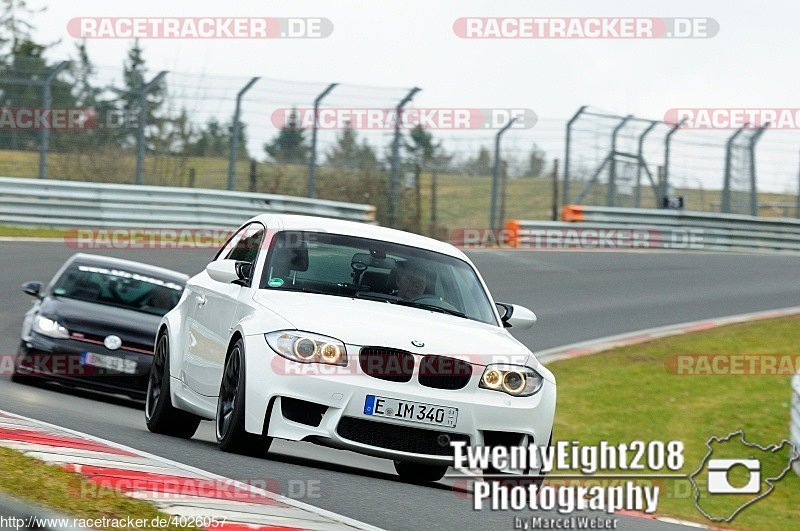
(245, 243)
(247, 247)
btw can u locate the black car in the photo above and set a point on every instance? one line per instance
(95, 323)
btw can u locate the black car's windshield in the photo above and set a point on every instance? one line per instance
(333, 264)
(117, 287)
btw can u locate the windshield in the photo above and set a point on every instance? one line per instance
(338, 265)
(119, 288)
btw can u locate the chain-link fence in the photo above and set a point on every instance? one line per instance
(615, 160)
(72, 120)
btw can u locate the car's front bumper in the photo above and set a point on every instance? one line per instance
(337, 396)
(60, 360)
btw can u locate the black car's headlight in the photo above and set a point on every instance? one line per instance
(306, 347)
(49, 327)
(512, 380)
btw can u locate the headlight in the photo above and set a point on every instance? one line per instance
(512, 380)
(50, 328)
(306, 347)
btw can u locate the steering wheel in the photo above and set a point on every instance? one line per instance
(435, 301)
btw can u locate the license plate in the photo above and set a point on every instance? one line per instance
(380, 406)
(109, 362)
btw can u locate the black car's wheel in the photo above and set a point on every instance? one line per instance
(419, 473)
(16, 375)
(231, 435)
(161, 416)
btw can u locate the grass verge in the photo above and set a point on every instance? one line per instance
(629, 394)
(34, 481)
(34, 232)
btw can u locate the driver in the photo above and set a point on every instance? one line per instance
(411, 282)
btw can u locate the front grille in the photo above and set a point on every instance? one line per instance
(387, 363)
(400, 438)
(99, 340)
(442, 372)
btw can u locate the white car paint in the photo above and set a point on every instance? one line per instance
(211, 313)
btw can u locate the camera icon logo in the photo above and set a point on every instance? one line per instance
(719, 476)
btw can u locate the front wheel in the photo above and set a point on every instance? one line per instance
(161, 416)
(419, 473)
(231, 434)
(16, 375)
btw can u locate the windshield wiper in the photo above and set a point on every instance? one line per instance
(425, 306)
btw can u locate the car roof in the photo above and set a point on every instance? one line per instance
(362, 230)
(129, 265)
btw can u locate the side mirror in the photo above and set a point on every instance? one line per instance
(229, 271)
(516, 316)
(33, 288)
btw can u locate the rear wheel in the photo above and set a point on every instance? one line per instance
(419, 473)
(231, 434)
(161, 416)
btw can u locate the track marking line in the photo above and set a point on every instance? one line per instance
(305, 513)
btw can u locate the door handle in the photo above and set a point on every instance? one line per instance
(200, 300)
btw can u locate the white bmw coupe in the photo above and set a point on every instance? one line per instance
(349, 335)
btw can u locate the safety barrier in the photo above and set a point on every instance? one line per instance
(608, 227)
(68, 204)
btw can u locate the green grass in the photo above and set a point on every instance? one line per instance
(33, 232)
(627, 394)
(31, 480)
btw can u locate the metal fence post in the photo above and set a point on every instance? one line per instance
(612, 170)
(312, 160)
(637, 193)
(667, 147)
(725, 203)
(142, 119)
(565, 195)
(234, 154)
(752, 151)
(493, 215)
(554, 213)
(395, 162)
(47, 101)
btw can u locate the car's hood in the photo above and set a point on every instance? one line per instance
(100, 320)
(363, 322)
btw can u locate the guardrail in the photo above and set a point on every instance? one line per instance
(795, 415)
(68, 204)
(653, 228)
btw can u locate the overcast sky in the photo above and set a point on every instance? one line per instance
(751, 62)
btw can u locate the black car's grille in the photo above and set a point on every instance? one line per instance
(87, 337)
(400, 438)
(387, 363)
(442, 372)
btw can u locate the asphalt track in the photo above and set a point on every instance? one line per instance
(577, 296)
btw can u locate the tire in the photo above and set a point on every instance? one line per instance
(161, 416)
(419, 473)
(18, 377)
(231, 434)
(492, 474)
